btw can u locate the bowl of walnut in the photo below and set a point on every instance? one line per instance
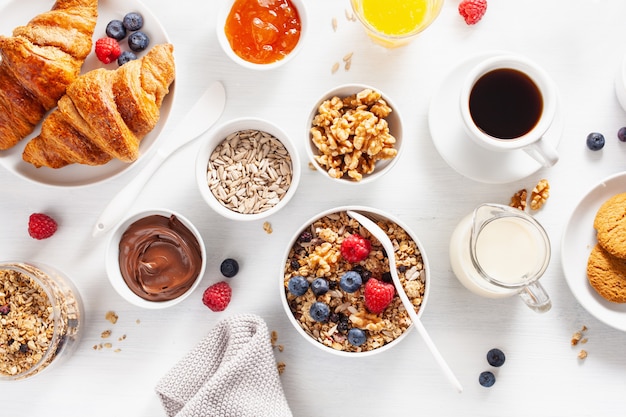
(355, 134)
(336, 288)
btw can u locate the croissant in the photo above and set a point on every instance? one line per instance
(38, 63)
(105, 113)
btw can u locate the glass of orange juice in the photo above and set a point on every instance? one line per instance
(394, 23)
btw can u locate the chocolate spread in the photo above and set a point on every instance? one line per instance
(160, 258)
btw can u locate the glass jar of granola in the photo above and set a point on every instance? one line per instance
(41, 315)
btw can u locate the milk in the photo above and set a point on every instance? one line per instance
(506, 249)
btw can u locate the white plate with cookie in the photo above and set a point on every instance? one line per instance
(20, 12)
(579, 238)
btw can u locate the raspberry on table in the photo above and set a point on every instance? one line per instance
(41, 226)
(355, 248)
(107, 50)
(217, 296)
(472, 10)
(378, 295)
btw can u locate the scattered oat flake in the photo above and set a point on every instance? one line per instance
(267, 226)
(108, 345)
(281, 367)
(334, 23)
(311, 166)
(350, 16)
(105, 334)
(111, 316)
(122, 337)
(137, 321)
(335, 67)
(117, 350)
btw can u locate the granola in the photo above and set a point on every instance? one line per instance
(36, 323)
(317, 254)
(351, 133)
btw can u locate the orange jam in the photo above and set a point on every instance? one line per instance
(263, 31)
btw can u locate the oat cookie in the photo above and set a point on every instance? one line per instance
(610, 223)
(607, 274)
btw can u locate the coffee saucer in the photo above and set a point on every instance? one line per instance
(464, 155)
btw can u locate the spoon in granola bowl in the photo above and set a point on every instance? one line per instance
(384, 240)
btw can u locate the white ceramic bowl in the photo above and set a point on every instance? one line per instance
(373, 214)
(223, 40)
(216, 138)
(113, 266)
(394, 121)
(620, 83)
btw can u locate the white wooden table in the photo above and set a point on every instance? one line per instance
(579, 42)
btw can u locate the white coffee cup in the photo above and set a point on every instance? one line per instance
(507, 103)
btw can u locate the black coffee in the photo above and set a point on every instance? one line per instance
(505, 103)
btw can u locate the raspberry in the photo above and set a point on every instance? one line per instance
(355, 248)
(378, 295)
(472, 10)
(41, 226)
(217, 296)
(107, 50)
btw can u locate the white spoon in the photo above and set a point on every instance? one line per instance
(384, 240)
(198, 120)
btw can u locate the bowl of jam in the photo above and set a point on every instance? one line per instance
(155, 258)
(262, 34)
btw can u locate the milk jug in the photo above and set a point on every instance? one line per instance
(499, 251)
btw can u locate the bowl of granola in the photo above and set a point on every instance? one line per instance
(336, 288)
(42, 319)
(247, 169)
(355, 134)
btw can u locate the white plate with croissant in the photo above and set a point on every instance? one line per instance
(67, 119)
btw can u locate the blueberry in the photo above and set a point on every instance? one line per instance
(386, 277)
(116, 30)
(133, 21)
(298, 285)
(229, 267)
(125, 57)
(319, 311)
(138, 41)
(621, 134)
(350, 281)
(595, 141)
(495, 357)
(319, 286)
(356, 337)
(24, 348)
(487, 379)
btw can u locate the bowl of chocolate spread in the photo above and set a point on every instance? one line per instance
(155, 258)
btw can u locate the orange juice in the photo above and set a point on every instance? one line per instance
(395, 22)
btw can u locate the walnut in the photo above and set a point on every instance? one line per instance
(368, 321)
(519, 199)
(540, 194)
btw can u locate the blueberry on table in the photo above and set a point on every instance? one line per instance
(621, 134)
(487, 379)
(595, 141)
(115, 29)
(356, 337)
(229, 267)
(133, 21)
(138, 41)
(298, 285)
(495, 357)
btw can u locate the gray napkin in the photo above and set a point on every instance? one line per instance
(232, 372)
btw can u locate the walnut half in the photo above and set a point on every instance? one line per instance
(539, 195)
